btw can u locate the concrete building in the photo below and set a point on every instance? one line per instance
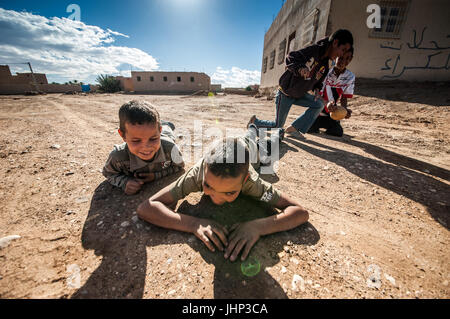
(165, 82)
(412, 42)
(20, 78)
(23, 83)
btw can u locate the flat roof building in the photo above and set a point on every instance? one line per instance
(165, 82)
(411, 41)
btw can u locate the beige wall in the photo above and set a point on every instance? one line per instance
(25, 78)
(126, 84)
(406, 63)
(47, 88)
(21, 78)
(201, 82)
(290, 19)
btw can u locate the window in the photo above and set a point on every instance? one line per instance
(165, 79)
(309, 27)
(282, 52)
(178, 78)
(291, 42)
(152, 79)
(192, 79)
(393, 15)
(265, 65)
(139, 79)
(272, 59)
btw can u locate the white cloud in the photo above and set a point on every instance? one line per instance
(235, 77)
(65, 49)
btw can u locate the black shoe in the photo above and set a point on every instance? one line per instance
(170, 124)
(253, 126)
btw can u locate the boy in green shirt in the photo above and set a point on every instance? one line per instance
(223, 174)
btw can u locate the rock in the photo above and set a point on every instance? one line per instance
(4, 242)
(390, 279)
(374, 280)
(283, 270)
(125, 224)
(297, 280)
(169, 261)
(295, 260)
(81, 200)
(172, 292)
(55, 146)
(135, 219)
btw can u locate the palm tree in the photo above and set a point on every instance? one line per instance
(108, 83)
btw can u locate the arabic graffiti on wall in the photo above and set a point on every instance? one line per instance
(431, 50)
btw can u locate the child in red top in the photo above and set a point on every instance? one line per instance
(339, 84)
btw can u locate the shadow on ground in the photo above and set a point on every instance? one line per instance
(229, 281)
(122, 272)
(437, 93)
(397, 173)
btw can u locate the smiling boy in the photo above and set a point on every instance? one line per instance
(223, 174)
(149, 151)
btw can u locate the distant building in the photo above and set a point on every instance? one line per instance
(23, 83)
(412, 42)
(20, 78)
(216, 87)
(165, 82)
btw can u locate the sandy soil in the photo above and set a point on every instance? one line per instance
(378, 199)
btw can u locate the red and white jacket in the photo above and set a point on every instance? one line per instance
(344, 85)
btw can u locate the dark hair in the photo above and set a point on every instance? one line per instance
(138, 112)
(228, 157)
(343, 36)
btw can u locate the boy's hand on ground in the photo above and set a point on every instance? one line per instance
(133, 186)
(145, 177)
(349, 114)
(211, 233)
(243, 236)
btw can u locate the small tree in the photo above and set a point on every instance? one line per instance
(248, 88)
(108, 84)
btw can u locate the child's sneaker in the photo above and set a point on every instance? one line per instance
(170, 124)
(251, 121)
(296, 134)
(252, 126)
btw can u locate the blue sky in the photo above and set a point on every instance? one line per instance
(221, 38)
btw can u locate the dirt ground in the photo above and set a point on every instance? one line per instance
(379, 202)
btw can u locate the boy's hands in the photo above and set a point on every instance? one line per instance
(210, 232)
(243, 236)
(304, 73)
(331, 106)
(145, 177)
(133, 186)
(317, 95)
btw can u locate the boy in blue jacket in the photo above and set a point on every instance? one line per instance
(305, 70)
